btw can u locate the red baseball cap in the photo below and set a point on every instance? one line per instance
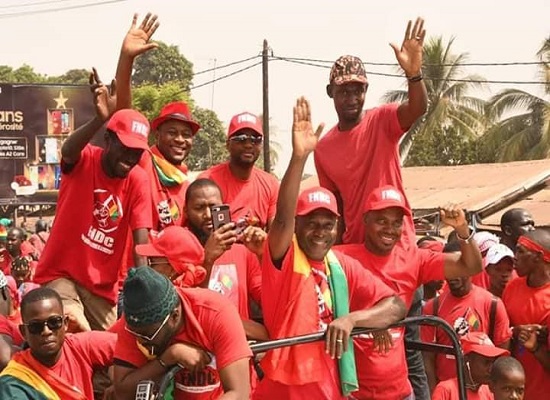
(131, 128)
(245, 120)
(178, 110)
(386, 197)
(479, 342)
(179, 245)
(316, 198)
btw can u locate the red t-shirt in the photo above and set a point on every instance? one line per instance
(448, 390)
(38, 241)
(354, 163)
(236, 275)
(256, 196)
(81, 354)
(212, 323)
(403, 272)
(8, 328)
(94, 214)
(527, 305)
(465, 314)
(26, 249)
(365, 290)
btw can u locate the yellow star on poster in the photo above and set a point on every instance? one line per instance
(61, 100)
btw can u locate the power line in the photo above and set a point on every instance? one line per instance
(312, 64)
(226, 76)
(49, 10)
(384, 64)
(226, 65)
(36, 3)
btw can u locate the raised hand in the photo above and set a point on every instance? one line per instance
(409, 55)
(454, 216)
(104, 98)
(219, 242)
(304, 140)
(138, 39)
(253, 237)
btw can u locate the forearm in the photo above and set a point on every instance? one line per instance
(282, 229)
(470, 256)
(386, 312)
(140, 236)
(124, 81)
(125, 386)
(255, 330)
(418, 96)
(76, 141)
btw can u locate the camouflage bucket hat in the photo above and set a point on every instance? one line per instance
(347, 69)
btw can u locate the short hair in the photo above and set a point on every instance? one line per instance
(451, 247)
(199, 184)
(505, 364)
(40, 226)
(38, 294)
(19, 232)
(509, 216)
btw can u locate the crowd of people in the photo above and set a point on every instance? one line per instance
(137, 276)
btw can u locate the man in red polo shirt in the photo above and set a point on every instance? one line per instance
(361, 153)
(195, 328)
(104, 195)
(527, 300)
(249, 191)
(403, 271)
(308, 288)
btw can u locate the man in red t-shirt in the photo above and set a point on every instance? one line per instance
(527, 300)
(104, 195)
(233, 268)
(249, 191)
(40, 236)
(361, 152)
(17, 247)
(195, 328)
(308, 288)
(174, 130)
(467, 308)
(404, 271)
(64, 363)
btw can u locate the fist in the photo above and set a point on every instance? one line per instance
(453, 216)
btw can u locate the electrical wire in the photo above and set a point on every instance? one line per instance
(384, 64)
(36, 3)
(50, 10)
(226, 65)
(390, 75)
(225, 76)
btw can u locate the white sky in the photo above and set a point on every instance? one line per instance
(488, 30)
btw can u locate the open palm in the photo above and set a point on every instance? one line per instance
(104, 97)
(409, 55)
(304, 139)
(137, 40)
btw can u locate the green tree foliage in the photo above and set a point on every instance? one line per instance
(72, 77)
(449, 102)
(23, 74)
(442, 147)
(162, 65)
(209, 143)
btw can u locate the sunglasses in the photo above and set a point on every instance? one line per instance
(242, 138)
(53, 323)
(152, 337)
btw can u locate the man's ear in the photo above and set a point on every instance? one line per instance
(329, 90)
(507, 230)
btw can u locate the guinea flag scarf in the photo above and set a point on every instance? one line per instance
(24, 368)
(303, 364)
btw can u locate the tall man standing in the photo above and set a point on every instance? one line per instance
(368, 141)
(103, 196)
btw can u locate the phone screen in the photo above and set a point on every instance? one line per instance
(220, 215)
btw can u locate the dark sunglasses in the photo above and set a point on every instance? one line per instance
(242, 138)
(54, 323)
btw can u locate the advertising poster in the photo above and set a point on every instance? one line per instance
(34, 122)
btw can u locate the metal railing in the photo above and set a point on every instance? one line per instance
(455, 349)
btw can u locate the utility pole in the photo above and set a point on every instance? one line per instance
(265, 112)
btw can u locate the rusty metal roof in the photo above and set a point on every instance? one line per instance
(476, 187)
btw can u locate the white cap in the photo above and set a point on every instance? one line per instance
(497, 252)
(485, 240)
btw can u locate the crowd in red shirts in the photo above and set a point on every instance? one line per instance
(145, 269)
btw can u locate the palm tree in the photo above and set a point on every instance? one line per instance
(448, 101)
(526, 134)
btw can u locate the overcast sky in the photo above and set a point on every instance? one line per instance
(212, 33)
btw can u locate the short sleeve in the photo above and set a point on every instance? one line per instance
(85, 155)
(432, 265)
(97, 346)
(141, 205)
(274, 193)
(503, 332)
(227, 336)
(324, 180)
(388, 113)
